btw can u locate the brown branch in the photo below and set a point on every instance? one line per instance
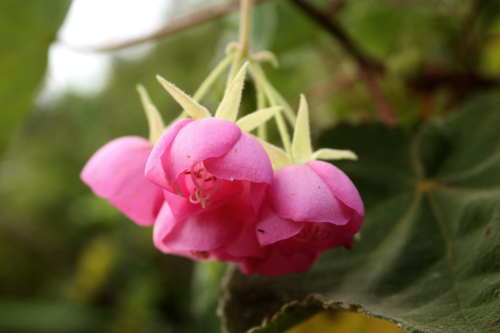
(367, 66)
(383, 106)
(339, 33)
(175, 25)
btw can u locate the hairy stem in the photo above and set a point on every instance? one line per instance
(280, 121)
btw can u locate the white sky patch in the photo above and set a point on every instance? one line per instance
(95, 23)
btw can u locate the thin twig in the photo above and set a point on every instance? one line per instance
(175, 25)
(339, 33)
(334, 7)
(367, 66)
(383, 106)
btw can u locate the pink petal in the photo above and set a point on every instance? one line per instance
(197, 141)
(201, 232)
(164, 225)
(298, 193)
(246, 204)
(246, 245)
(319, 237)
(154, 170)
(246, 160)
(271, 228)
(340, 185)
(116, 172)
(182, 207)
(276, 264)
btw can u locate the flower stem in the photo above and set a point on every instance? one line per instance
(261, 104)
(212, 77)
(246, 14)
(280, 121)
(243, 50)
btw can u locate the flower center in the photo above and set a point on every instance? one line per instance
(206, 185)
(312, 233)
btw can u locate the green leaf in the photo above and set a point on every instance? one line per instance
(429, 253)
(155, 122)
(28, 28)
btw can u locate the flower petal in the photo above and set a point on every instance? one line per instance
(201, 232)
(164, 225)
(198, 141)
(246, 160)
(277, 264)
(319, 237)
(298, 193)
(116, 172)
(271, 228)
(340, 185)
(154, 170)
(182, 207)
(246, 245)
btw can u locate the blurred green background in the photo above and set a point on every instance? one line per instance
(70, 262)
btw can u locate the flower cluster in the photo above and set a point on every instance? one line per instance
(213, 191)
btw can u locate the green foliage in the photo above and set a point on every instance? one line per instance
(428, 255)
(73, 263)
(28, 28)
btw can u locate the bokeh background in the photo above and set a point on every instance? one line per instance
(70, 262)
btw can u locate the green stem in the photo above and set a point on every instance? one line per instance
(246, 15)
(261, 104)
(242, 53)
(280, 121)
(212, 77)
(287, 109)
(235, 67)
(273, 94)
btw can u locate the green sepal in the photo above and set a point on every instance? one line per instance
(193, 108)
(301, 142)
(155, 122)
(279, 158)
(333, 154)
(228, 108)
(257, 118)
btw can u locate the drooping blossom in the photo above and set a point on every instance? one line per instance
(214, 176)
(225, 233)
(116, 172)
(310, 207)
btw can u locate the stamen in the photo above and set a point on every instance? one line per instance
(206, 185)
(197, 200)
(177, 189)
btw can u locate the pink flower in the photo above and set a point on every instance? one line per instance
(215, 178)
(311, 208)
(116, 172)
(204, 160)
(226, 233)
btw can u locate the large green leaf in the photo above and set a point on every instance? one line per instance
(429, 253)
(28, 28)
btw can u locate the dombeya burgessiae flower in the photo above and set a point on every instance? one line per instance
(116, 171)
(310, 207)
